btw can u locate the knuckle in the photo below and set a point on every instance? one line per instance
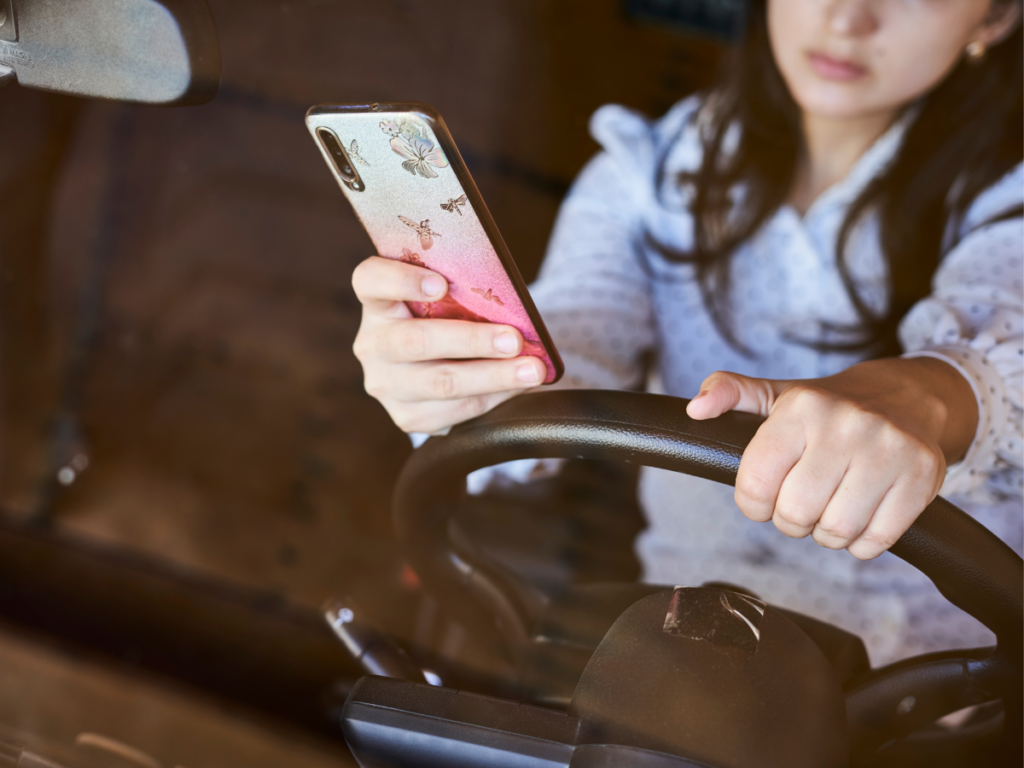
(443, 386)
(752, 510)
(804, 397)
(827, 541)
(800, 390)
(409, 419)
(755, 488)
(374, 388)
(877, 541)
(834, 534)
(797, 515)
(361, 347)
(407, 423)
(864, 551)
(360, 275)
(412, 341)
(481, 340)
(474, 406)
(856, 424)
(716, 377)
(927, 464)
(787, 528)
(915, 459)
(503, 377)
(889, 436)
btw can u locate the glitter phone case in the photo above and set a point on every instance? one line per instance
(399, 168)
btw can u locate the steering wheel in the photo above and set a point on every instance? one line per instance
(970, 566)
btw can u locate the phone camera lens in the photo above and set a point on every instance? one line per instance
(337, 153)
(340, 157)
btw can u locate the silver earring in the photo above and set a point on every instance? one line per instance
(975, 51)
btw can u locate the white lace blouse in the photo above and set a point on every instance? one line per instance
(607, 298)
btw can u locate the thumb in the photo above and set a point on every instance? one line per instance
(723, 391)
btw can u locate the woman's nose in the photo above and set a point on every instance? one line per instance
(852, 18)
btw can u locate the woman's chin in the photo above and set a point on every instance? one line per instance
(841, 103)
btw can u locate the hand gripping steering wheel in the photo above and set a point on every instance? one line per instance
(970, 566)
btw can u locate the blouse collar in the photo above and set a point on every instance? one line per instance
(869, 166)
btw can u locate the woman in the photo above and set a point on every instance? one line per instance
(852, 191)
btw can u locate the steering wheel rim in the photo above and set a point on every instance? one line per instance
(969, 565)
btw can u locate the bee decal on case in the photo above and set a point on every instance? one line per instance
(413, 258)
(410, 141)
(423, 229)
(353, 152)
(452, 206)
(488, 295)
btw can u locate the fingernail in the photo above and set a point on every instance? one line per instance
(702, 393)
(527, 374)
(505, 343)
(433, 285)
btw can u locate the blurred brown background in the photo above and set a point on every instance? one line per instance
(175, 282)
(175, 311)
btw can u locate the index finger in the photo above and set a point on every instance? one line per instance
(380, 282)
(776, 448)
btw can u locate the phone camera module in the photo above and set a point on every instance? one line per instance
(346, 171)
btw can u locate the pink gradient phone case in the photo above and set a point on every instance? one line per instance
(400, 170)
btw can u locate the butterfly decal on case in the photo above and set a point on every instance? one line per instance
(419, 153)
(412, 258)
(423, 229)
(353, 152)
(452, 206)
(489, 295)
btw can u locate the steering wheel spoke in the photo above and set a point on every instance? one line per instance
(894, 701)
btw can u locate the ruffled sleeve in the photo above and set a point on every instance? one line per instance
(974, 320)
(593, 291)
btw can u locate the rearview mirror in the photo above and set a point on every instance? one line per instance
(141, 51)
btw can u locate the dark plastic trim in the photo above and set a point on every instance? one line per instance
(972, 567)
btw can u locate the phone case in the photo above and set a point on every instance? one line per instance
(399, 168)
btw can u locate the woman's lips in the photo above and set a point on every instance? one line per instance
(835, 69)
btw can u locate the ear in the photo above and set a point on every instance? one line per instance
(1001, 21)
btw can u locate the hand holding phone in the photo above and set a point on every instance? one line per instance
(432, 373)
(449, 329)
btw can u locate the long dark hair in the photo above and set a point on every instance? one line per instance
(967, 134)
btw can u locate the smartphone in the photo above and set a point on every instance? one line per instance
(410, 189)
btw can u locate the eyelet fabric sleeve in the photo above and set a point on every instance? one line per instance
(974, 321)
(592, 292)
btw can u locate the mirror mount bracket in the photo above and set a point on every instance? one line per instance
(157, 52)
